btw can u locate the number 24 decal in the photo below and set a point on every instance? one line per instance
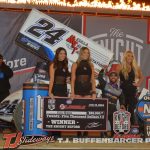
(45, 29)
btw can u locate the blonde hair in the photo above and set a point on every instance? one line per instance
(125, 69)
(80, 55)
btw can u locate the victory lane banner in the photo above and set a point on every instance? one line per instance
(42, 35)
(64, 114)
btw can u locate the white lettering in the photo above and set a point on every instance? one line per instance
(146, 109)
(63, 121)
(118, 42)
(23, 61)
(16, 63)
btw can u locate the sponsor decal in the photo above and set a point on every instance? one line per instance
(72, 43)
(143, 108)
(134, 130)
(51, 104)
(148, 130)
(121, 122)
(75, 44)
(30, 43)
(80, 107)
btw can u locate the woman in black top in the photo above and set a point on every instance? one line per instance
(82, 76)
(59, 74)
(83, 85)
(130, 79)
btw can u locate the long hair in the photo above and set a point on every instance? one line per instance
(80, 55)
(64, 63)
(124, 68)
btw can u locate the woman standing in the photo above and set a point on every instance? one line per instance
(130, 79)
(59, 74)
(82, 76)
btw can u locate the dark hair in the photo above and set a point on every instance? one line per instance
(1, 56)
(64, 62)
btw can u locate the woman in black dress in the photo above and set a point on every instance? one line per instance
(59, 74)
(130, 79)
(82, 78)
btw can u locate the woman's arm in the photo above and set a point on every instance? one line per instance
(73, 78)
(93, 83)
(51, 74)
(140, 77)
(93, 79)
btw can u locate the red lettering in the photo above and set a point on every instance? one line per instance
(9, 137)
(127, 136)
(73, 42)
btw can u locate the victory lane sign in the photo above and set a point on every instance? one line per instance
(64, 114)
